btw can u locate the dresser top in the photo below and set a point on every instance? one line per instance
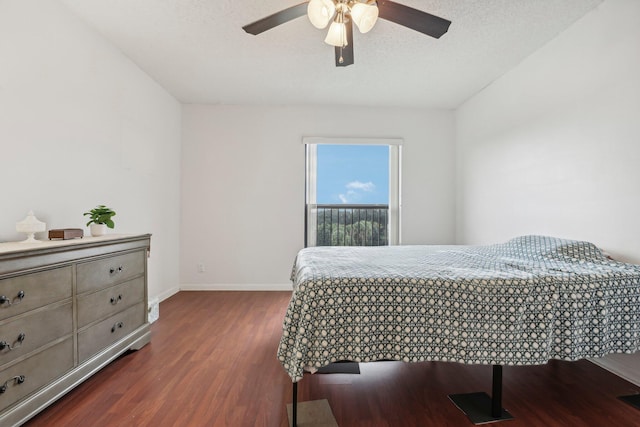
(11, 247)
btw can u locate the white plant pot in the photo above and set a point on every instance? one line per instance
(98, 229)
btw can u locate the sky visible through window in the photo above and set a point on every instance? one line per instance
(352, 174)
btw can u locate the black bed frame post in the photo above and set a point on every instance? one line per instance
(480, 407)
(294, 409)
(496, 392)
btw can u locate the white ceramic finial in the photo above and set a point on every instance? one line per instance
(30, 225)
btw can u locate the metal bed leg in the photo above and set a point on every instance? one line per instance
(496, 392)
(294, 406)
(633, 400)
(479, 407)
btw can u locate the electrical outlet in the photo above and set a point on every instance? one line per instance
(200, 268)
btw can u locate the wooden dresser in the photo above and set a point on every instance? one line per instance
(67, 309)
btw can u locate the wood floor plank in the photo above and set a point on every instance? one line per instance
(212, 362)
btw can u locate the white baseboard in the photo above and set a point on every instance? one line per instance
(166, 294)
(154, 300)
(237, 287)
(626, 366)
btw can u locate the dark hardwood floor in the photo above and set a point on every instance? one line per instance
(212, 362)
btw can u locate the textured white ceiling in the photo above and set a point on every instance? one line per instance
(197, 50)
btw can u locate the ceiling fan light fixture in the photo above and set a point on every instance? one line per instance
(342, 14)
(320, 12)
(337, 34)
(364, 16)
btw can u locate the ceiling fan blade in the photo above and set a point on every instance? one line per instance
(276, 19)
(415, 19)
(345, 53)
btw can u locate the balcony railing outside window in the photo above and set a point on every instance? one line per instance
(350, 225)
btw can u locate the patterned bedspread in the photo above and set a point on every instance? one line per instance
(523, 302)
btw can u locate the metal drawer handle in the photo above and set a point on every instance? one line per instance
(116, 300)
(9, 302)
(16, 343)
(19, 379)
(118, 325)
(114, 270)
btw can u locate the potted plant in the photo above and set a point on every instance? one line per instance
(100, 219)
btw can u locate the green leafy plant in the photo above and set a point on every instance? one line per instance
(101, 215)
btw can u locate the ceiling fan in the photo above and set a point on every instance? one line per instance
(342, 14)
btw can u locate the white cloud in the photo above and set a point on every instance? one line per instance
(350, 197)
(355, 190)
(363, 186)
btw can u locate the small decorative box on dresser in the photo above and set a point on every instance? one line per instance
(67, 309)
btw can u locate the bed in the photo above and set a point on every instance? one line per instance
(523, 302)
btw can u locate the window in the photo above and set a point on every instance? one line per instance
(352, 191)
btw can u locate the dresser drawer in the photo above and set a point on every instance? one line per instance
(28, 333)
(37, 371)
(105, 272)
(107, 332)
(23, 293)
(107, 302)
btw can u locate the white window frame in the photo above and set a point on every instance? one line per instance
(311, 171)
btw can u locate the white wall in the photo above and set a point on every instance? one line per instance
(243, 185)
(553, 147)
(81, 125)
